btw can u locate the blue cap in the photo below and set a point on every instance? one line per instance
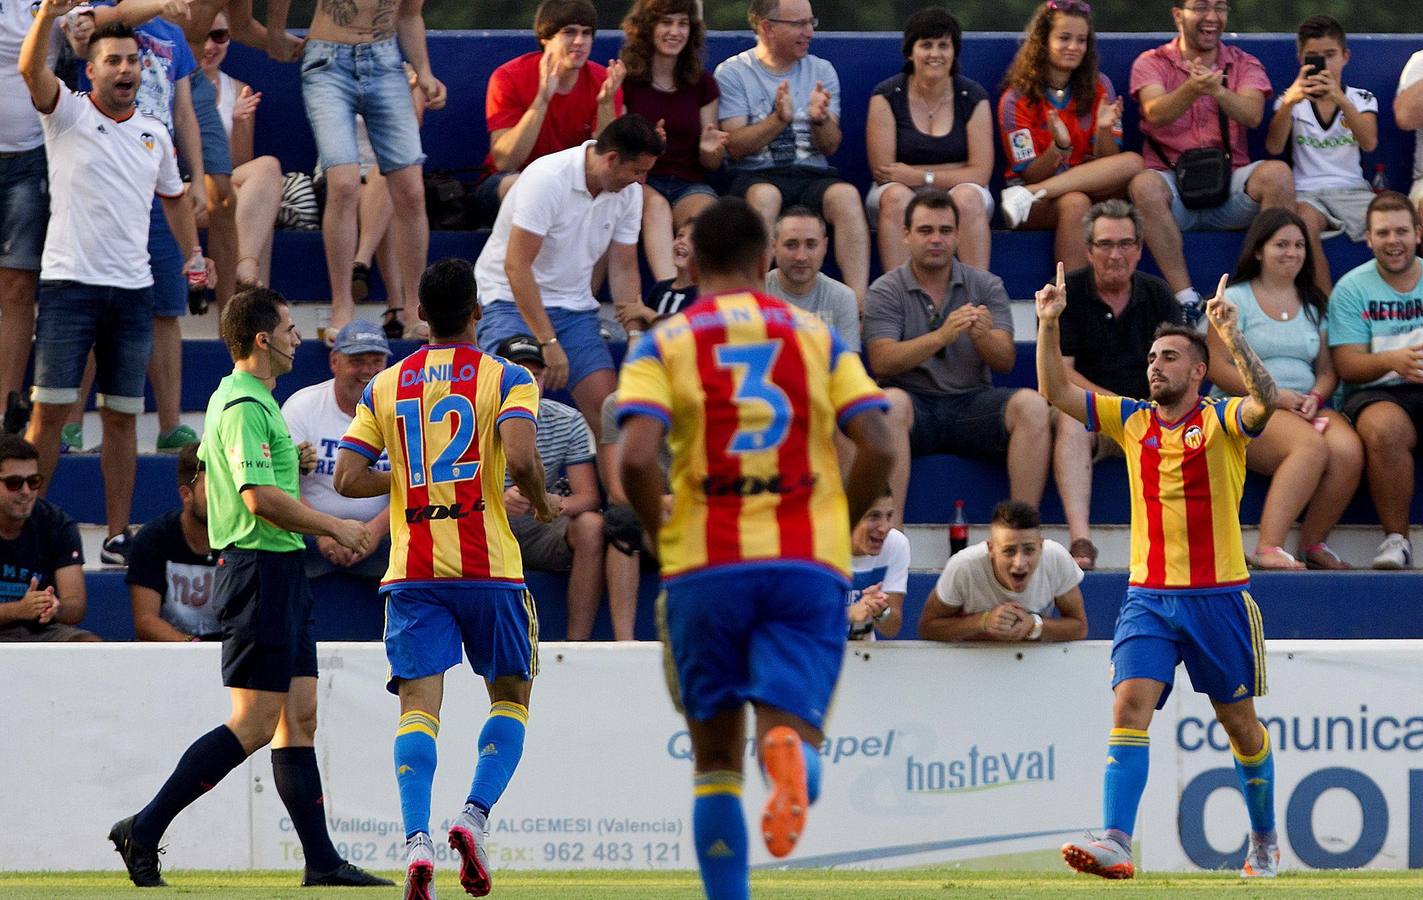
(359, 336)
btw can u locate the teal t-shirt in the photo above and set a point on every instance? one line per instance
(1288, 349)
(1364, 310)
(246, 443)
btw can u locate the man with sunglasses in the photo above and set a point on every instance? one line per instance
(1112, 313)
(41, 559)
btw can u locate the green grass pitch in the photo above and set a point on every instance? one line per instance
(900, 884)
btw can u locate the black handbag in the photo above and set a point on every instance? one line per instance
(1203, 174)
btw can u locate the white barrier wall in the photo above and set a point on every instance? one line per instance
(935, 754)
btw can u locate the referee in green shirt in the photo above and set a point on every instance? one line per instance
(256, 518)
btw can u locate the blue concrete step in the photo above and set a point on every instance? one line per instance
(941, 479)
(1308, 605)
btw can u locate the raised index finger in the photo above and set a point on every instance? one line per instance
(1220, 288)
(1061, 275)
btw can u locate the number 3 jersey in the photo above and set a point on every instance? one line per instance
(437, 413)
(751, 391)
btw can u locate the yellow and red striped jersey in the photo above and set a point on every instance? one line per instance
(1186, 479)
(750, 390)
(437, 412)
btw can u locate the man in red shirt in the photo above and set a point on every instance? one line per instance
(547, 100)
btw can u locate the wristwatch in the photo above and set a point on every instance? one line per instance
(1037, 631)
(929, 178)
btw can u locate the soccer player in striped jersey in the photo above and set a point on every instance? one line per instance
(756, 552)
(1187, 596)
(452, 419)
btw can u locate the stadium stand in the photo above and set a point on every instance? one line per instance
(1314, 605)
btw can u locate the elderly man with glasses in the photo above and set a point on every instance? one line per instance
(41, 560)
(1192, 90)
(1112, 313)
(780, 108)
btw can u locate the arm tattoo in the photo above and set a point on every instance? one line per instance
(342, 12)
(1257, 380)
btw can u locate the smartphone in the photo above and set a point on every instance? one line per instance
(1314, 63)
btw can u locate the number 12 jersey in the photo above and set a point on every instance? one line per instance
(437, 413)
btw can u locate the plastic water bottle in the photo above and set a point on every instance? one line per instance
(958, 529)
(196, 271)
(1380, 180)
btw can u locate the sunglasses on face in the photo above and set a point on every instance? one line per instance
(1071, 6)
(221, 35)
(15, 482)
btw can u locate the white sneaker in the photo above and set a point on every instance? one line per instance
(1017, 201)
(1262, 860)
(467, 839)
(420, 868)
(1396, 552)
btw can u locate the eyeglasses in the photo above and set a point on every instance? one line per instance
(1072, 6)
(812, 23)
(15, 482)
(219, 35)
(1200, 9)
(1125, 245)
(192, 482)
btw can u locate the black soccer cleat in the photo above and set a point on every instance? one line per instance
(141, 862)
(345, 875)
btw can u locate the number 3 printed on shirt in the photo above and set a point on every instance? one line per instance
(447, 466)
(750, 366)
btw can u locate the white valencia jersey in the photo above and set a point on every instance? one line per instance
(103, 173)
(19, 123)
(1326, 154)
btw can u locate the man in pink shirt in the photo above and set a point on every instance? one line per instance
(1181, 85)
(547, 100)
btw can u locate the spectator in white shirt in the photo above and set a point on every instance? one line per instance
(879, 572)
(106, 161)
(318, 416)
(1008, 588)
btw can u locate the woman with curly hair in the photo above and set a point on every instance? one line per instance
(665, 82)
(930, 126)
(1061, 124)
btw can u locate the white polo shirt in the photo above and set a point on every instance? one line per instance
(103, 173)
(551, 199)
(19, 123)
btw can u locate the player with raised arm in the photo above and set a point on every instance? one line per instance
(1188, 596)
(452, 419)
(756, 552)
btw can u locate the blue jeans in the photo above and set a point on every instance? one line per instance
(24, 209)
(578, 335)
(170, 285)
(340, 80)
(116, 323)
(1235, 214)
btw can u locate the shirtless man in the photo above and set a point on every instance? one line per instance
(351, 63)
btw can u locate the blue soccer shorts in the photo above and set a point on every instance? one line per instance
(1219, 636)
(426, 626)
(768, 633)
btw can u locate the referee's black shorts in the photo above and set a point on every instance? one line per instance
(267, 637)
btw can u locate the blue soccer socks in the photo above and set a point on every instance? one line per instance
(415, 760)
(1257, 782)
(719, 831)
(501, 743)
(1128, 757)
(812, 769)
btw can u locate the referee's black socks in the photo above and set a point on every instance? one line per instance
(205, 763)
(299, 785)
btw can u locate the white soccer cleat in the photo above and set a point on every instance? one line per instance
(1017, 201)
(1262, 860)
(1105, 858)
(467, 839)
(420, 868)
(1396, 552)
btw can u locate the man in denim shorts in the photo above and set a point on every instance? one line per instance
(24, 211)
(357, 65)
(107, 160)
(566, 211)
